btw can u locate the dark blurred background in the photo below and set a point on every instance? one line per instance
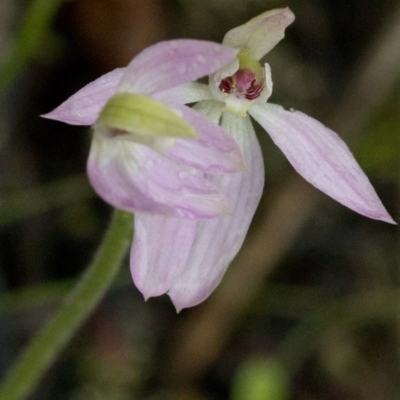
(310, 309)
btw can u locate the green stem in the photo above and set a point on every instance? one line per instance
(23, 378)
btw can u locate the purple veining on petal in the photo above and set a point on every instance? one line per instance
(134, 178)
(218, 240)
(172, 63)
(322, 158)
(214, 151)
(159, 253)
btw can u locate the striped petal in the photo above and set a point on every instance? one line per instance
(172, 63)
(321, 157)
(159, 252)
(135, 178)
(214, 151)
(218, 240)
(187, 259)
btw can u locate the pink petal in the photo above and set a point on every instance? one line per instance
(214, 150)
(260, 34)
(159, 252)
(135, 178)
(321, 157)
(191, 92)
(218, 240)
(185, 258)
(172, 63)
(85, 105)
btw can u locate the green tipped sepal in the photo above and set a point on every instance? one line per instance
(141, 117)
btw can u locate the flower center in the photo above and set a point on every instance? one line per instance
(245, 85)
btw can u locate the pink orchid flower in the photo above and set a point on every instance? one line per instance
(146, 156)
(187, 257)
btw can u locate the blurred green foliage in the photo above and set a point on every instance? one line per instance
(260, 379)
(33, 32)
(379, 149)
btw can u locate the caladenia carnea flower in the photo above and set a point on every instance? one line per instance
(147, 155)
(185, 254)
(200, 251)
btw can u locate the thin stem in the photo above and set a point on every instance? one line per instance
(87, 293)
